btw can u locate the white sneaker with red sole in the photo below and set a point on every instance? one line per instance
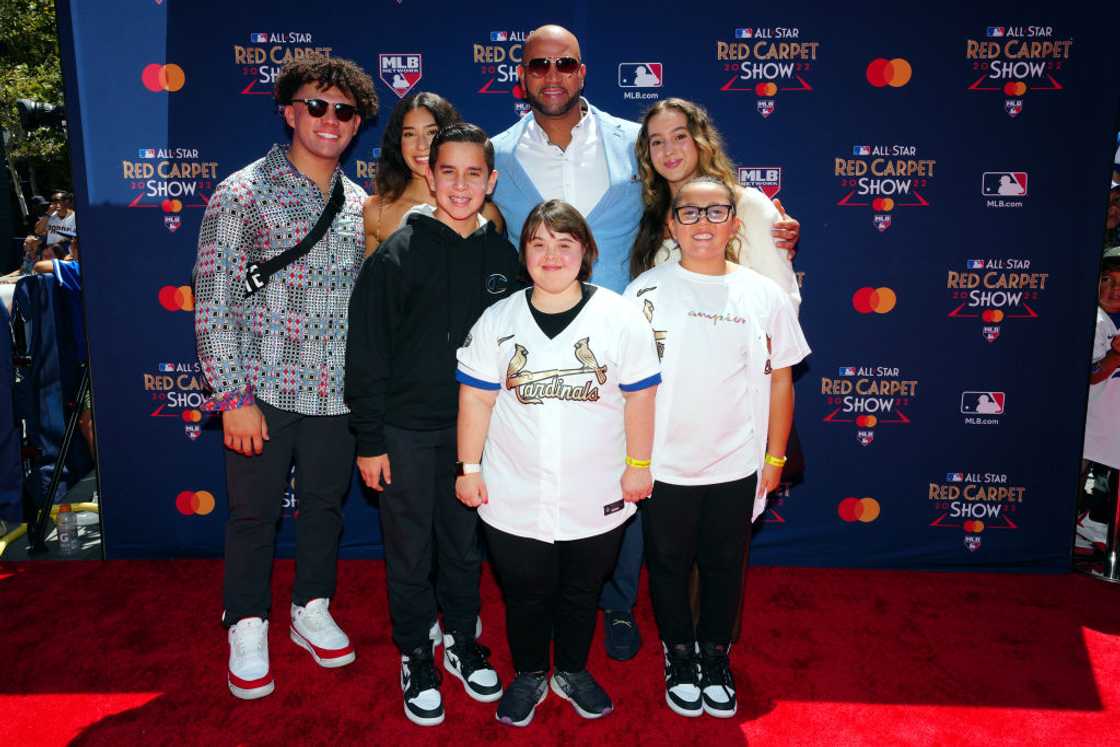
(249, 676)
(315, 630)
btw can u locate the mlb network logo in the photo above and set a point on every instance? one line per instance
(982, 403)
(640, 74)
(974, 264)
(847, 371)
(1004, 183)
(744, 33)
(499, 36)
(146, 153)
(954, 477)
(258, 38)
(995, 32)
(167, 367)
(861, 150)
(768, 179)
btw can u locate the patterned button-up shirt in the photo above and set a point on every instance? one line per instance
(285, 344)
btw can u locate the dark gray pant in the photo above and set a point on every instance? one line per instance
(417, 509)
(323, 450)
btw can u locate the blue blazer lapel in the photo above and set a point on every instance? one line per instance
(514, 171)
(619, 169)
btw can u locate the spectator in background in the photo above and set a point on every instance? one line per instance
(60, 223)
(1112, 220)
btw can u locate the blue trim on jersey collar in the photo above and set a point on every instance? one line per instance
(469, 380)
(643, 384)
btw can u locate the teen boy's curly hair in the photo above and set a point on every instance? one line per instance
(326, 72)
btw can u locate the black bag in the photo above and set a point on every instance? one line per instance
(258, 275)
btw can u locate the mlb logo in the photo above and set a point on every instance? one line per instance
(865, 437)
(1004, 183)
(994, 32)
(972, 543)
(640, 74)
(146, 153)
(954, 477)
(861, 150)
(193, 431)
(847, 370)
(167, 368)
(768, 179)
(766, 107)
(172, 222)
(499, 36)
(521, 108)
(975, 264)
(401, 72)
(1013, 107)
(258, 38)
(991, 334)
(744, 33)
(982, 403)
(882, 222)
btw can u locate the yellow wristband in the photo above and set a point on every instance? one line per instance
(774, 461)
(638, 463)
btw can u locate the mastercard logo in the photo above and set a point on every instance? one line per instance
(171, 206)
(158, 78)
(194, 503)
(866, 421)
(878, 300)
(192, 416)
(1014, 88)
(992, 316)
(973, 526)
(882, 204)
(766, 89)
(883, 72)
(176, 298)
(859, 509)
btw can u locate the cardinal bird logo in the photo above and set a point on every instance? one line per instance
(533, 387)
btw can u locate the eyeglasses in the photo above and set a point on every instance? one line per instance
(686, 215)
(538, 66)
(317, 108)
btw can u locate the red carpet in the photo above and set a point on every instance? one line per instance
(131, 653)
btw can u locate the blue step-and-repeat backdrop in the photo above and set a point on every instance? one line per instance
(949, 167)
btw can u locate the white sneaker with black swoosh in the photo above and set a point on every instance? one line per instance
(420, 680)
(467, 660)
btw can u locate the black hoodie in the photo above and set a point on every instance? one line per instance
(414, 302)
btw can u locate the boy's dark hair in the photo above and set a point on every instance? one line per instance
(392, 171)
(462, 132)
(64, 195)
(560, 217)
(327, 72)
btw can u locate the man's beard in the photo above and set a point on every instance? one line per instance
(556, 111)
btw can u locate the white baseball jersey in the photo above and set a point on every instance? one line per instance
(1102, 437)
(556, 447)
(720, 336)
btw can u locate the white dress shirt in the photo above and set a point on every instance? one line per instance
(577, 174)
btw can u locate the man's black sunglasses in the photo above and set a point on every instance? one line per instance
(317, 108)
(564, 65)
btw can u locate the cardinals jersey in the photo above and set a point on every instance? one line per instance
(720, 337)
(556, 447)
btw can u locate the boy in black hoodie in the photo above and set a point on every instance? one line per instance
(412, 306)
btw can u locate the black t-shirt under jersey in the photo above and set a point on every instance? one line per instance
(554, 324)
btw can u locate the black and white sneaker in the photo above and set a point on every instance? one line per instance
(716, 683)
(583, 692)
(682, 679)
(527, 691)
(420, 682)
(465, 658)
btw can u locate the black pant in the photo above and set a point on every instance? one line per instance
(420, 507)
(709, 525)
(551, 593)
(323, 450)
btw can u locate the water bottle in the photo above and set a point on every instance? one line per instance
(68, 543)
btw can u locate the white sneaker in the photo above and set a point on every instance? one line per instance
(468, 660)
(249, 676)
(423, 704)
(1091, 535)
(315, 630)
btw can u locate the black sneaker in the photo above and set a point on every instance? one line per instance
(620, 635)
(522, 697)
(716, 682)
(682, 679)
(465, 658)
(420, 682)
(583, 692)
